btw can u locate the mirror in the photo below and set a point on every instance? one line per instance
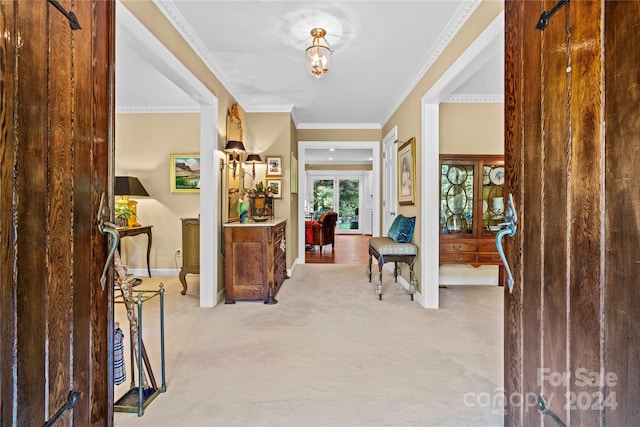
(234, 184)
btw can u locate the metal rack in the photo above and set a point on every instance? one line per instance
(137, 398)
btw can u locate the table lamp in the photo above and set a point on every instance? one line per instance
(129, 186)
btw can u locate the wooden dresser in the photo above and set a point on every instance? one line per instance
(255, 260)
(471, 208)
(190, 250)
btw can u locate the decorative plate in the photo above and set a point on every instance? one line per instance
(497, 175)
(485, 178)
(485, 206)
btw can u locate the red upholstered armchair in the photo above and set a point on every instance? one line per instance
(322, 231)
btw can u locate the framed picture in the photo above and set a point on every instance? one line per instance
(274, 165)
(407, 173)
(185, 173)
(294, 174)
(277, 185)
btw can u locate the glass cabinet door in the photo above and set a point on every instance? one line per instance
(492, 197)
(471, 197)
(456, 198)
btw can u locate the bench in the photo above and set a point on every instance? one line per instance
(395, 248)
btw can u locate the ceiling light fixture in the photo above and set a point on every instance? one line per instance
(318, 54)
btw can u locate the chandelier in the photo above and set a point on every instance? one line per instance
(318, 54)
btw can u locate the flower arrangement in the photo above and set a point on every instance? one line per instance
(123, 213)
(261, 190)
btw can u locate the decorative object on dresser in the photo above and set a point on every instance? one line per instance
(397, 247)
(261, 201)
(471, 209)
(255, 259)
(190, 250)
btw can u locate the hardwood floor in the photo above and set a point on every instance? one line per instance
(348, 249)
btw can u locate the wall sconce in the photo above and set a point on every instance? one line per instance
(253, 159)
(234, 148)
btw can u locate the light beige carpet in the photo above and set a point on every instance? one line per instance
(328, 354)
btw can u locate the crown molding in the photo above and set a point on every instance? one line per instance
(455, 24)
(284, 108)
(168, 8)
(338, 126)
(474, 99)
(157, 109)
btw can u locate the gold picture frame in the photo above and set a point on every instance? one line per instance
(294, 174)
(277, 185)
(185, 173)
(275, 165)
(407, 173)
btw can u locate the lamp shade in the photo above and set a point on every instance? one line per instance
(129, 186)
(253, 158)
(234, 146)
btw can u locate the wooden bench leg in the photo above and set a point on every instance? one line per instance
(412, 286)
(395, 271)
(379, 286)
(369, 269)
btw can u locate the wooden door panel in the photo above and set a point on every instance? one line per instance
(622, 223)
(55, 165)
(513, 107)
(531, 170)
(572, 324)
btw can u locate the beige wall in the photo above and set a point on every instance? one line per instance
(339, 135)
(271, 134)
(408, 116)
(472, 128)
(143, 146)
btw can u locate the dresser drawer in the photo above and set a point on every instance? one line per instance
(459, 246)
(487, 246)
(453, 258)
(489, 258)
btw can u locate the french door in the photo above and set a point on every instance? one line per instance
(341, 193)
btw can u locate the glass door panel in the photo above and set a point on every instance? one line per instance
(323, 196)
(349, 205)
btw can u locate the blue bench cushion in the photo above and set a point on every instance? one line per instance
(387, 246)
(402, 229)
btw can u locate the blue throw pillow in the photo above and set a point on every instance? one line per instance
(401, 230)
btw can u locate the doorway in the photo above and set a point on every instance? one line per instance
(372, 200)
(339, 192)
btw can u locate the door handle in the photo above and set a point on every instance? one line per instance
(107, 227)
(511, 218)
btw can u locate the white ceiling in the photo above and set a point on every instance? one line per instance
(256, 49)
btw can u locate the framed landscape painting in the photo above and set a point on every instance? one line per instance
(185, 173)
(277, 187)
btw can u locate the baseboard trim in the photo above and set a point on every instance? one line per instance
(143, 272)
(468, 280)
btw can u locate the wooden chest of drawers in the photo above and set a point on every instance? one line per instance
(255, 260)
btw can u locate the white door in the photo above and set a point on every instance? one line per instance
(389, 179)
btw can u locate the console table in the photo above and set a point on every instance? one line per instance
(134, 231)
(254, 260)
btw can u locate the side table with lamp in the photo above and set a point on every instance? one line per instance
(126, 186)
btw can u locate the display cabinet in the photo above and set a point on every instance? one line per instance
(471, 208)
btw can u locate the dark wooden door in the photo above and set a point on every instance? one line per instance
(572, 150)
(56, 93)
